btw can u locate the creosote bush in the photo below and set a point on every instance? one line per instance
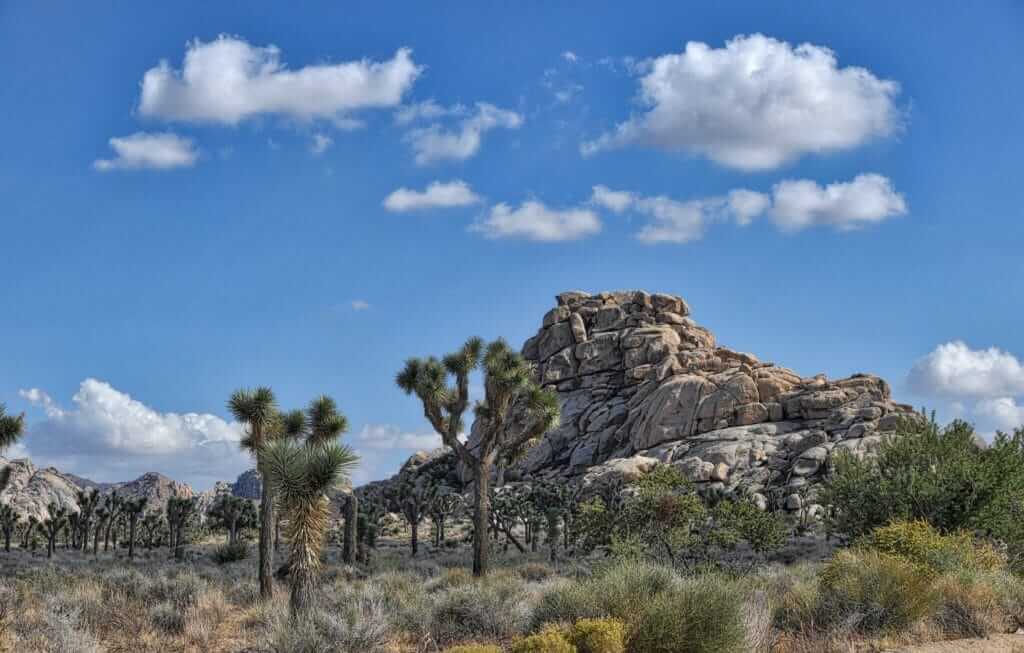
(551, 639)
(598, 636)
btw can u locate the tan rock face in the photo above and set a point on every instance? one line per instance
(637, 377)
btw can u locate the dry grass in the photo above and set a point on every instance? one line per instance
(398, 605)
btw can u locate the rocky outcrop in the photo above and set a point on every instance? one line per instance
(156, 488)
(639, 380)
(248, 485)
(30, 489)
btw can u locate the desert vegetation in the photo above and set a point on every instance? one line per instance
(922, 545)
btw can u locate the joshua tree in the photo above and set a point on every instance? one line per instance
(233, 514)
(133, 508)
(350, 543)
(102, 515)
(114, 505)
(413, 501)
(444, 505)
(88, 501)
(179, 510)
(302, 475)
(11, 430)
(53, 525)
(258, 410)
(151, 524)
(26, 536)
(9, 519)
(514, 414)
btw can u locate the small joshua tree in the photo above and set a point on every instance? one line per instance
(444, 505)
(88, 501)
(152, 523)
(302, 475)
(53, 525)
(102, 514)
(9, 519)
(179, 511)
(133, 509)
(233, 514)
(26, 535)
(114, 505)
(414, 498)
(514, 414)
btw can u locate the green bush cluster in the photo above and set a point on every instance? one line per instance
(598, 636)
(551, 639)
(231, 552)
(919, 542)
(659, 611)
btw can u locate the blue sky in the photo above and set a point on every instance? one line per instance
(832, 187)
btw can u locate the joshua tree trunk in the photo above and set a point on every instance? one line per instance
(303, 584)
(499, 474)
(106, 534)
(481, 519)
(267, 523)
(7, 541)
(348, 552)
(415, 538)
(131, 537)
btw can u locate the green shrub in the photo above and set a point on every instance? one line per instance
(936, 474)
(968, 605)
(230, 552)
(550, 640)
(701, 615)
(599, 636)
(620, 590)
(922, 544)
(474, 648)
(873, 592)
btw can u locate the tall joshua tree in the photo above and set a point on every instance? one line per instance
(257, 409)
(302, 474)
(11, 429)
(444, 504)
(179, 511)
(350, 542)
(413, 501)
(514, 414)
(88, 500)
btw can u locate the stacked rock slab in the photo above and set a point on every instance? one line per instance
(640, 382)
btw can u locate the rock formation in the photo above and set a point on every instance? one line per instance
(30, 489)
(640, 382)
(248, 485)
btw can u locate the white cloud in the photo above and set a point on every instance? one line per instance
(954, 369)
(159, 151)
(360, 305)
(427, 110)
(1002, 413)
(747, 205)
(437, 195)
(533, 220)
(227, 80)
(615, 201)
(867, 199)
(436, 143)
(109, 436)
(387, 436)
(320, 144)
(570, 56)
(755, 104)
(792, 205)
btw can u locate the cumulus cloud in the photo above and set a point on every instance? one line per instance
(867, 199)
(109, 436)
(360, 305)
(436, 143)
(570, 56)
(792, 205)
(437, 195)
(227, 80)
(755, 104)
(382, 448)
(321, 143)
(953, 369)
(533, 220)
(1003, 413)
(158, 151)
(427, 110)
